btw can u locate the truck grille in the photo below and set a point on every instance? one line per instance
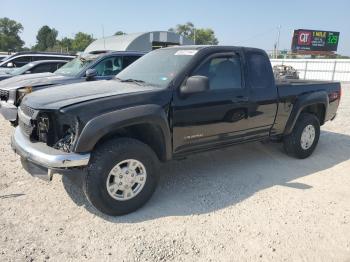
(4, 95)
(25, 128)
(27, 110)
(25, 117)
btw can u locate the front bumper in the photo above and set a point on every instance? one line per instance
(8, 110)
(45, 156)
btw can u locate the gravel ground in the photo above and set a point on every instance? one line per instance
(249, 202)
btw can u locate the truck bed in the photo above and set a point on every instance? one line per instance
(291, 91)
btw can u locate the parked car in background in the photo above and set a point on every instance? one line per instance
(35, 68)
(99, 65)
(3, 57)
(22, 58)
(170, 104)
(285, 72)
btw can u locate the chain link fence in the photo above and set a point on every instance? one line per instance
(319, 69)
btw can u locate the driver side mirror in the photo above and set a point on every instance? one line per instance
(9, 65)
(195, 84)
(90, 74)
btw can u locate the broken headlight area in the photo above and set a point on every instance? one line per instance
(66, 142)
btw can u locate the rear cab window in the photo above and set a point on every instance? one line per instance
(260, 71)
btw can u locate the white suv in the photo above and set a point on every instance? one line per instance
(22, 58)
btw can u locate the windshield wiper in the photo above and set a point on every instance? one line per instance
(130, 80)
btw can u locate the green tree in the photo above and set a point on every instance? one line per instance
(46, 38)
(186, 30)
(9, 35)
(201, 36)
(205, 36)
(120, 33)
(66, 44)
(81, 41)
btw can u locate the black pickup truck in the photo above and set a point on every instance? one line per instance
(169, 104)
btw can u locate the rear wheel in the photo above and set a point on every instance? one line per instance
(304, 138)
(121, 176)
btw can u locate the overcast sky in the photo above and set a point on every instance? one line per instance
(249, 23)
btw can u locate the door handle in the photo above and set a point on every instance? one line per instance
(241, 99)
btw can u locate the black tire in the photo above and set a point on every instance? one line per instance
(103, 159)
(292, 142)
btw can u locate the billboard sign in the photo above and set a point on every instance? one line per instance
(313, 40)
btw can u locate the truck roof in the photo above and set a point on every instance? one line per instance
(215, 47)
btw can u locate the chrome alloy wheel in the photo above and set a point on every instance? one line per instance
(126, 179)
(307, 137)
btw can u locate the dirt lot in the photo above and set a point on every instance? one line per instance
(246, 203)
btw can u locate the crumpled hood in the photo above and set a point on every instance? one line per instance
(31, 80)
(61, 96)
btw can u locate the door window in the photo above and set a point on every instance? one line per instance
(54, 66)
(57, 66)
(40, 58)
(42, 68)
(128, 60)
(109, 66)
(20, 61)
(53, 57)
(222, 72)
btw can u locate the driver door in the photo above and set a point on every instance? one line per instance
(208, 119)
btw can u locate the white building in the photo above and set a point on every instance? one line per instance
(139, 41)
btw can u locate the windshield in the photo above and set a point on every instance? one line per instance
(21, 70)
(74, 67)
(157, 68)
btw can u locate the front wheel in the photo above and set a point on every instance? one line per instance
(121, 176)
(304, 138)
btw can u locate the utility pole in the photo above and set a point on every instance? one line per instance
(276, 45)
(103, 35)
(194, 35)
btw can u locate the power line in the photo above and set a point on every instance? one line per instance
(256, 36)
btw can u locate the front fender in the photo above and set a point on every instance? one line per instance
(303, 101)
(105, 124)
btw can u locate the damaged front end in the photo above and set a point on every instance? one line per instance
(56, 130)
(44, 140)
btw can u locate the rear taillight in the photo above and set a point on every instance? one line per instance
(335, 96)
